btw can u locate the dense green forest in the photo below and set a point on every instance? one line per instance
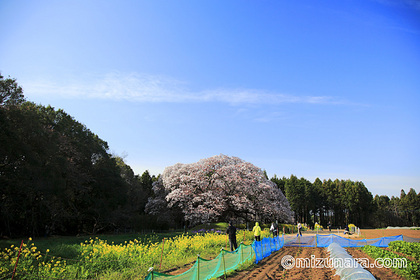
(58, 177)
(343, 201)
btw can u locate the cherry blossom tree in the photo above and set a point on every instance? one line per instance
(219, 188)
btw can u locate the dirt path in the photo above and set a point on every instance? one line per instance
(375, 233)
(270, 267)
(378, 273)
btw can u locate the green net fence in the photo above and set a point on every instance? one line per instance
(206, 269)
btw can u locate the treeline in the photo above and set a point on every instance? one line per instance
(397, 211)
(57, 177)
(341, 202)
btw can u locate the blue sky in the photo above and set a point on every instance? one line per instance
(327, 89)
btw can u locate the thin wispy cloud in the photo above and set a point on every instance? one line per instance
(267, 117)
(415, 4)
(153, 89)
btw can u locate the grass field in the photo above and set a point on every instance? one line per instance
(112, 256)
(67, 246)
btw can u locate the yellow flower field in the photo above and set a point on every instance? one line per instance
(130, 260)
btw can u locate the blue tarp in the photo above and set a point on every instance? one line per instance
(266, 246)
(300, 241)
(326, 240)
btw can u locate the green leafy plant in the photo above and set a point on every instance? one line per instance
(407, 248)
(411, 271)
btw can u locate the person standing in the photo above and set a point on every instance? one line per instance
(231, 231)
(257, 232)
(346, 230)
(299, 227)
(274, 229)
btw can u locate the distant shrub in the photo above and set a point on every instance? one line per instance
(318, 227)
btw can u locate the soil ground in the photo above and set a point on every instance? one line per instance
(270, 267)
(375, 233)
(378, 273)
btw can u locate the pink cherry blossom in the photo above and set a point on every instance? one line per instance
(220, 188)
